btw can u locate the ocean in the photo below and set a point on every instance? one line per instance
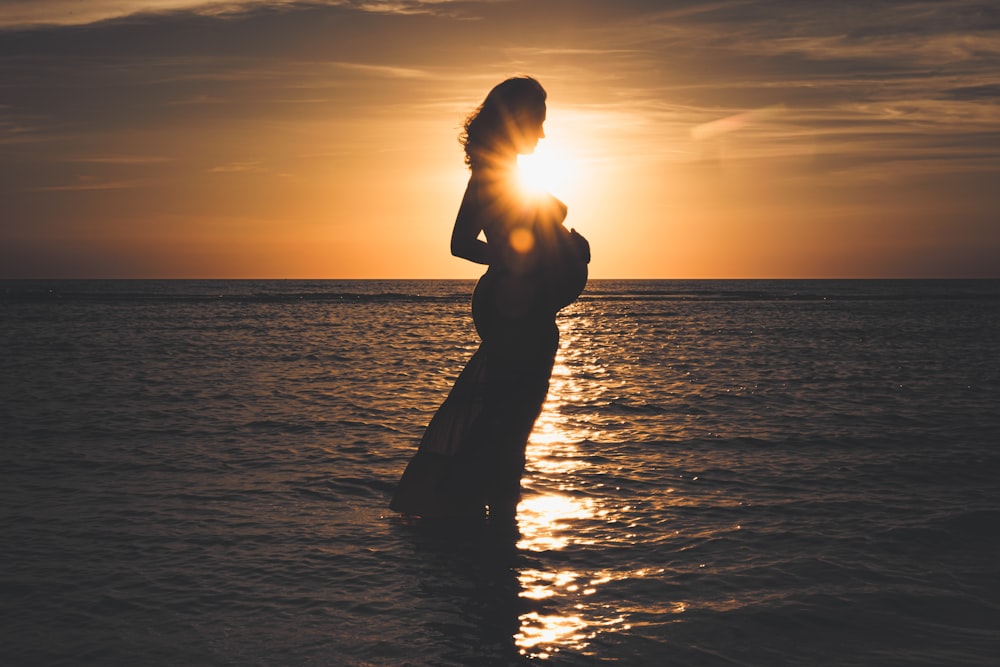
(725, 473)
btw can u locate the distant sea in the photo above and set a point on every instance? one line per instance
(752, 473)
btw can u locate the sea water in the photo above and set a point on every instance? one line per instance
(725, 473)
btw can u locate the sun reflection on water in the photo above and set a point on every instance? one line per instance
(556, 514)
(542, 521)
(542, 635)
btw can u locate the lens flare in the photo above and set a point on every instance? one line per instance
(548, 169)
(522, 240)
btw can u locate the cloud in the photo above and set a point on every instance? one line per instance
(126, 160)
(252, 166)
(906, 51)
(402, 7)
(33, 13)
(86, 184)
(384, 70)
(20, 127)
(721, 126)
(684, 66)
(73, 12)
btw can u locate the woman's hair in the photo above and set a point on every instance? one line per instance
(494, 122)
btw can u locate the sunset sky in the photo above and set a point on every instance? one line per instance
(690, 139)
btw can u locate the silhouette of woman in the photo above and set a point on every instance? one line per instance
(471, 455)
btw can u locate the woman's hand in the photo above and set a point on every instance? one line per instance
(581, 245)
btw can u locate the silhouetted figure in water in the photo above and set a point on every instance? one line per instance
(471, 456)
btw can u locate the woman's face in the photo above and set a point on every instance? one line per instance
(530, 129)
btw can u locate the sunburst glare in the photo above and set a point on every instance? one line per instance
(549, 169)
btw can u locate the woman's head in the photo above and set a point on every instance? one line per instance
(508, 122)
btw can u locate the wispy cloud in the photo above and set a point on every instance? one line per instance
(914, 50)
(393, 7)
(392, 71)
(411, 7)
(19, 127)
(126, 160)
(196, 100)
(736, 122)
(75, 12)
(86, 184)
(251, 166)
(248, 167)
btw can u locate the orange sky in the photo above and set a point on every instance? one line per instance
(180, 138)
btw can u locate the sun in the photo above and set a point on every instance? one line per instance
(548, 169)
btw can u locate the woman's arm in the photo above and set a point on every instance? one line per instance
(465, 242)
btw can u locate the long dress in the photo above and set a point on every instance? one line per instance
(472, 454)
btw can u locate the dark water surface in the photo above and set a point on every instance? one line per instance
(726, 473)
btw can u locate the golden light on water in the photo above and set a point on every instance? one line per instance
(541, 634)
(543, 521)
(554, 516)
(569, 606)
